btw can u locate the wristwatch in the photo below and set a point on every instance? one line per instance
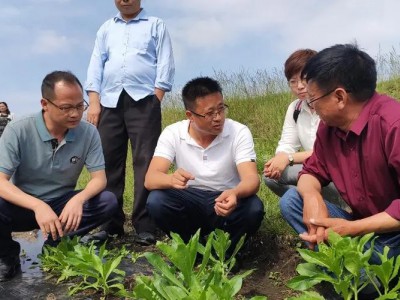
(291, 159)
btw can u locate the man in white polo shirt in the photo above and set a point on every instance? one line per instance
(43, 155)
(215, 180)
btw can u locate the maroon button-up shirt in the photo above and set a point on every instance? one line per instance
(363, 163)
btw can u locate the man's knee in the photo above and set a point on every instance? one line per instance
(154, 203)
(109, 201)
(255, 213)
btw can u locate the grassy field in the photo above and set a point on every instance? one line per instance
(263, 113)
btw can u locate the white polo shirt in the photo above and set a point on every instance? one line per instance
(300, 134)
(214, 167)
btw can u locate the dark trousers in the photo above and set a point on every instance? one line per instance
(185, 211)
(140, 122)
(14, 218)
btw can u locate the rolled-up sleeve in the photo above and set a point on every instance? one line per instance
(97, 61)
(165, 59)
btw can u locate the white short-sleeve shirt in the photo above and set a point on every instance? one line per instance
(214, 167)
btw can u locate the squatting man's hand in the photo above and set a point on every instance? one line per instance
(338, 225)
(226, 203)
(71, 215)
(68, 221)
(180, 178)
(48, 221)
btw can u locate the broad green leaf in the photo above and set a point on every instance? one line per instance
(353, 263)
(157, 262)
(174, 292)
(308, 269)
(308, 296)
(111, 266)
(391, 295)
(334, 238)
(317, 258)
(395, 271)
(258, 298)
(302, 283)
(383, 272)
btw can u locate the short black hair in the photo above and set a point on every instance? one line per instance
(54, 77)
(199, 87)
(345, 66)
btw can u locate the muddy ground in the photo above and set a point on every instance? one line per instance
(274, 262)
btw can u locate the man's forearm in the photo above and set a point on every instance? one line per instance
(93, 188)
(379, 223)
(10, 193)
(158, 180)
(247, 187)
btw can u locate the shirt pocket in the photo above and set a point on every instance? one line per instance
(139, 41)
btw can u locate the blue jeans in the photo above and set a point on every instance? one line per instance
(291, 205)
(288, 180)
(186, 211)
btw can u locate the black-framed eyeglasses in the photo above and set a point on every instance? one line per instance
(68, 109)
(213, 114)
(310, 101)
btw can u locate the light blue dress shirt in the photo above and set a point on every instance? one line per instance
(136, 56)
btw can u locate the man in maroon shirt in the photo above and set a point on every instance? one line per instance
(357, 148)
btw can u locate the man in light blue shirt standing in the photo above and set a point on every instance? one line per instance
(131, 68)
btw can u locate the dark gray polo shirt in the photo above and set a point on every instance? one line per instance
(36, 167)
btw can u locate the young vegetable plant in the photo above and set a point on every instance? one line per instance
(344, 263)
(97, 268)
(181, 278)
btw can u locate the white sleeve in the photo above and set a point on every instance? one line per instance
(289, 142)
(244, 146)
(166, 145)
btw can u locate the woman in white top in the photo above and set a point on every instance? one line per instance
(298, 133)
(5, 112)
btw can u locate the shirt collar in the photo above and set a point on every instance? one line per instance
(141, 16)
(359, 124)
(44, 132)
(184, 132)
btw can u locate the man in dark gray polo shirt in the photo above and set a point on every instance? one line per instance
(43, 155)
